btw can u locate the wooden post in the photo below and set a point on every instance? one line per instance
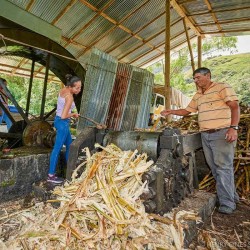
(167, 89)
(189, 45)
(199, 41)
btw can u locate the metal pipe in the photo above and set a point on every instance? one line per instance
(30, 87)
(45, 87)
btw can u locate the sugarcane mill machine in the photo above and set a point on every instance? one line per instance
(171, 179)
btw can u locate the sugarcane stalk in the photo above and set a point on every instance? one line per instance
(206, 177)
(248, 139)
(210, 183)
(73, 231)
(155, 124)
(162, 219)
(247, 178)
(237, 166)
(205, 181)
(240, 179)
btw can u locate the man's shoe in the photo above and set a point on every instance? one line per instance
(225, 210)
(54, 179)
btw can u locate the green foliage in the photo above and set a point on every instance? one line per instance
(219, 44)
(234, 70)
(19, 89)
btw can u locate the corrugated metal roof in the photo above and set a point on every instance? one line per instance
(133, 31)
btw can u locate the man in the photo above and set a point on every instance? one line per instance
(4, 100)
(218, 117)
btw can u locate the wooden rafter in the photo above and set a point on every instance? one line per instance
(122, 27)
(98, 13)
(189, 45)
(238, 20)
(161, 54)
(9, 72)
(180, 2)
(226, 31)
(114, 27)
(180, 11)
(213, 14)
(30, 4)
(217, 11)
(147, 40)
(39, 71)
(158, 46)
(136, 32)
(69, 40)
(69, 5)
(20, 64)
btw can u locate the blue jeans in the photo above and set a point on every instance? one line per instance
(219, 155)
(63, 137)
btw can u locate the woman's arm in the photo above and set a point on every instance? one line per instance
(66, 108)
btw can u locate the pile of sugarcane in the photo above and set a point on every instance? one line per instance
(187, 123)
(100, 209)
(241, 161)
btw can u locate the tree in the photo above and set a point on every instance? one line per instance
(180, 62)
(18, 87)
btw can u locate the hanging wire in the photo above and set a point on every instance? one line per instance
(28, 45)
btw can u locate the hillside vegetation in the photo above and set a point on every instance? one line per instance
(232, 69)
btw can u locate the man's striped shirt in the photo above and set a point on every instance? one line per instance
(213, 112)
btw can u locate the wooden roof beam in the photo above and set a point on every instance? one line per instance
(224, 22)
(114, 27)
(38, 71)
(98, 13)
(69, 5)
(189, 45)
(22, 62)
(69, 40)
(122, 27)
(217, 11)
(159, 45)
(225, 31)
(143, 27)
(213, 14)
(149, 39)
(22, 69)
(163, 53)
(180, 11)
(30, 4)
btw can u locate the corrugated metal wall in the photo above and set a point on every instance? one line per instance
(145, 102)
(98, 86)
(118, 98)
(137, 109)
(115, 94)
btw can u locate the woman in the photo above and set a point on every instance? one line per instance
(65, 104)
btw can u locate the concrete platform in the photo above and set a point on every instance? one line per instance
(21, 167)
(201, 202)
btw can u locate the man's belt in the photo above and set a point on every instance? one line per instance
(210, 131)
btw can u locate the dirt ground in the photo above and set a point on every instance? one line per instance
(223, 231)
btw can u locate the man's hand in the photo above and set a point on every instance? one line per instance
(166, 112)
(231, 135)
